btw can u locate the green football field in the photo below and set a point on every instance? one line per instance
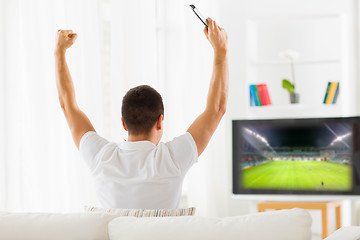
(298, 175)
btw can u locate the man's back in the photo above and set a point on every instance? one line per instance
(138, 174)
(143, 173)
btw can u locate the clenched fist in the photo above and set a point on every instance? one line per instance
(64, 40)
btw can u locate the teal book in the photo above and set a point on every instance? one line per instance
(327, 92)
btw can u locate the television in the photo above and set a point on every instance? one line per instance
(318, 156)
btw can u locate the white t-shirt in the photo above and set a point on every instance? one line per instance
(138, 174)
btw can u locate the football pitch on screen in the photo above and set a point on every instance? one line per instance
(298, 175)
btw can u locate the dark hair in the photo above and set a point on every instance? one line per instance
(141, 108)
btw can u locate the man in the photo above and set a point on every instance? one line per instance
(141, 173)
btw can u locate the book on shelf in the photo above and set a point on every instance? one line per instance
(332, 93)
(259, 95)
(336, 94)
(252, 95)
(327, 91)
(264, 94)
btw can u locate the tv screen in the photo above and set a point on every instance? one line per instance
(297, 156)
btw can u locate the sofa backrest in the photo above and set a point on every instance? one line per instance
(46, 226)
(275, 225)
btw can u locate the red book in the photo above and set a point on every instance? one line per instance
(264, 94)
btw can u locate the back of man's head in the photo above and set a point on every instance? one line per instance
(141, 108)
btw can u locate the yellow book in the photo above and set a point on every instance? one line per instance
(332, 91)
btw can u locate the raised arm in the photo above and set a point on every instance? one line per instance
(78, 122)
(205, 125)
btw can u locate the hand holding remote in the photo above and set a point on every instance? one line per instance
(217, 37)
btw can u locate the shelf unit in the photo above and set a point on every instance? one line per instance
(323, 57)
(295, 111)
(301, 62)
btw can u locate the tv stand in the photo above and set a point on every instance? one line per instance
(323, 206)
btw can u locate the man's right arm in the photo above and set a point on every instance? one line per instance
(78, 122)
(205, 125)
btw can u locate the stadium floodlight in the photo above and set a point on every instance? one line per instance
(340, 139)
(260, 138)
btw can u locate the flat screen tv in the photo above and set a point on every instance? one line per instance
(297, 156)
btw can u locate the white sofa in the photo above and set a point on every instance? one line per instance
(346, 233)
(276, 225)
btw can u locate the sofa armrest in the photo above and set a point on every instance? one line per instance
(348, 233)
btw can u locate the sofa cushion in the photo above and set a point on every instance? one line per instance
(143, 212)
(276, 225)
(45, 226)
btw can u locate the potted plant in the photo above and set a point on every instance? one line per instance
(291, 55)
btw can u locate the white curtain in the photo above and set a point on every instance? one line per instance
(121, 44)
(40, 167)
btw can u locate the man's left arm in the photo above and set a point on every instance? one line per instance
(78, 122)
